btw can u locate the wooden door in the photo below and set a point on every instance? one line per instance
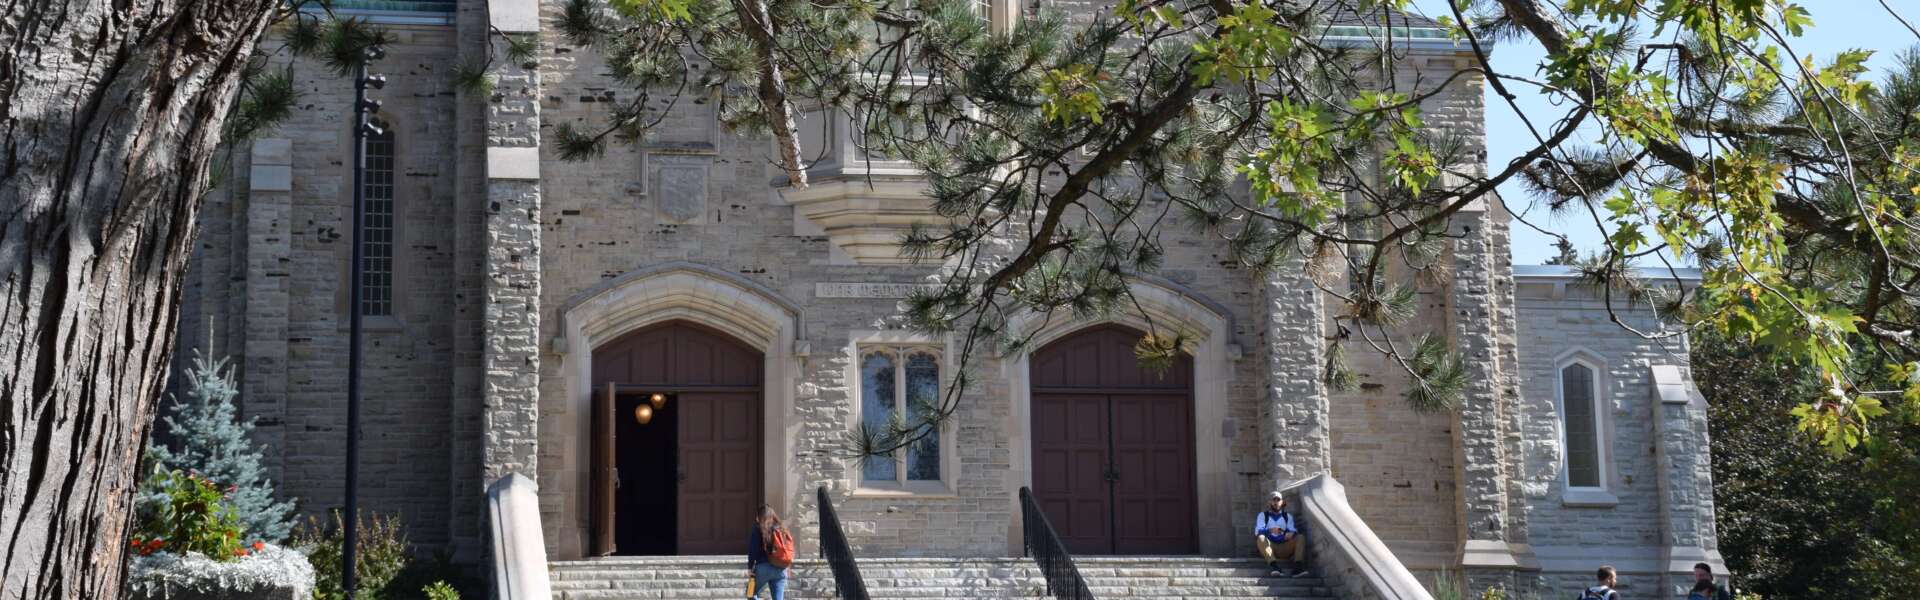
(719, 471)
(605, 473)
(1070, 469)
(1113, 446)
(689, 481)
(1153, 505)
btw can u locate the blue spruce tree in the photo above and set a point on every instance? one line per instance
(208, 438)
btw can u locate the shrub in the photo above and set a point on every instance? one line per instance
(431, 571)
(1447, 585)
(379, 556)
(190, 515)
(440, 590)
(386, 570)
(209, 438)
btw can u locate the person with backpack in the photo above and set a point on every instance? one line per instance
(1277, 535)
(769, 553)
(1703, 575)
(1607, 578)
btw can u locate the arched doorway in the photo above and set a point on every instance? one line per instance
(1113, 447)
(688, 480)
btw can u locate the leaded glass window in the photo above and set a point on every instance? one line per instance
(376, 230)
(1582, 423)
(900, 385)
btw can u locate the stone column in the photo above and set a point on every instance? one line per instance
(510, 328)
(269, 252)
(466, 511)
(1297, 424)
(1480, 452)
(1685, 479)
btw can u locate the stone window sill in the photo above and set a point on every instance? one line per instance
(376, 324)
(919, 490)
(1588, 498)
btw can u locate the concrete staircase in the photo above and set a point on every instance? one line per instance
(1169, 578)
(1192, 578)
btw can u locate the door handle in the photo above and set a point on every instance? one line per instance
(1113, 475)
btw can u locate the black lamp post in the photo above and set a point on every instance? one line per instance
(363, 109)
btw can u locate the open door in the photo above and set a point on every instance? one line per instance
(604, 474)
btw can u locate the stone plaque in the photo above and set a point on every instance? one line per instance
(680, 189)
(869, 290)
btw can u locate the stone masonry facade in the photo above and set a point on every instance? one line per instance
(511, 264)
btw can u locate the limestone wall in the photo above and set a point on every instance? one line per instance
(697, 194)
(1397, 463)
(267, 289)
(444, 374)
(1571, 534)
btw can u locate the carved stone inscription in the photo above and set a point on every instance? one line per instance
(869, 290)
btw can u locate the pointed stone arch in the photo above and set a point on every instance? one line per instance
(1169, 305)
(679, 291)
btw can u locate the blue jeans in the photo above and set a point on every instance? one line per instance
(772, 579)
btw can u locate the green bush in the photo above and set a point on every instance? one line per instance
(387, 569)
(440, 590)
(190, 514)
(380, 554)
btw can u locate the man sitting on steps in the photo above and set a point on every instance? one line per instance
(1276, 535)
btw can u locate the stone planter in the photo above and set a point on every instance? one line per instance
(273, 573)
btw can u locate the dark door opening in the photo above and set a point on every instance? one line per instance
(1113, 446)
(688, 481)
(648, 480)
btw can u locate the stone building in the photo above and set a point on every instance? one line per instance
(508, 287)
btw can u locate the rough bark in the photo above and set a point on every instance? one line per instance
(762, 29)
(109, 116)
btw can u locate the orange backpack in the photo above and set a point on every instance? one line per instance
(780, 548)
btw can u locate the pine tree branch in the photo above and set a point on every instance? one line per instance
(763, 30)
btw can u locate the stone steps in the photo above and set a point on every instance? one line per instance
(698, 578)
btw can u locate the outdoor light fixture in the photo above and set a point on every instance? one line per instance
(644, 413)
(363, 109)
(659, 401)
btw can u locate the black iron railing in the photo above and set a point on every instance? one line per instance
(1043, 544)
(833, 547)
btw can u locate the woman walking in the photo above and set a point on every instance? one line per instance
(769, 553)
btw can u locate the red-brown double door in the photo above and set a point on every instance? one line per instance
(1113, 446)
(687, 482)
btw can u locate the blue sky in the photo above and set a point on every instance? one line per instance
(1838, 25)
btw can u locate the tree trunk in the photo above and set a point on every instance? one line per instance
(109, 116)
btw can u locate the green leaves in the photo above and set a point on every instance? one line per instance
(1249, 45)
(667, 11)
(1795, 19)
(1073, 93)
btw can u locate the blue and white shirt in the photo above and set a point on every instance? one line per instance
(1267, 520)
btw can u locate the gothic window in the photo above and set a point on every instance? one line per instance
(376, 231)
(900, 385)
(1580, 419)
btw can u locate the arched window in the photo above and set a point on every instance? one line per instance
(376, 231)
(1581, 420)
(900, 385)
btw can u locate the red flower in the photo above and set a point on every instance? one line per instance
(258, 546)
(135, 542)
(239, 551)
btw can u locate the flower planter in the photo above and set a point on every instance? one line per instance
(273, 573)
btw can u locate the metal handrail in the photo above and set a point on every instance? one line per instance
(834, 548)
(1043, 544)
